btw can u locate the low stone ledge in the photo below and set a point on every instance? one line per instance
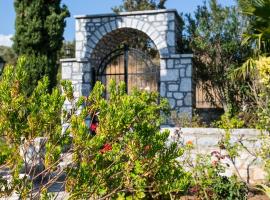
(206, 141)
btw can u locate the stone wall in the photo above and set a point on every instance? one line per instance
(161, 26)
(206, 140)
(176, 82)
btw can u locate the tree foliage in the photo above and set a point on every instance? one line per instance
(39, 32)
(215, 39)
(133, 5)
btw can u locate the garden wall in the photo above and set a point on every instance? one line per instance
(206, 141)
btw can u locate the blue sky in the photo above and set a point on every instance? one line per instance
(79, 7)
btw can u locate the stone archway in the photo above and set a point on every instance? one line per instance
(161, 26)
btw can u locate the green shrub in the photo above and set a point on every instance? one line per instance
(128, 157)
(210, 184)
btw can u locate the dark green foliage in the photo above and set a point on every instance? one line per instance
(39, 32)
(133, 5)
(215, 40)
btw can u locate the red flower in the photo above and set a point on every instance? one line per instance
(93, 127)
(106, 147)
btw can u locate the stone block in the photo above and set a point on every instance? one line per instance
(140, 25)
(66, 73)
(171, 38)
(170, 16)
(182, 72)
(178, 65)
(151, 18)
(79, 36)
(108, 27)
(169, 94)
(105, 19)
(87, 78)
(178, 95)
(128, 22)
(188, 99)
(170, 63)
(77, 76)
(171, 26)
(179, 103)
(96, 20)
(189, 71)
(186, 61)
(173, 87)
(160, 17)
(169, 75)
(185, 85)
(145, 27)
(75, 67)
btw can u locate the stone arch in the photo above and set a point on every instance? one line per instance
(163, 27)
(136, 24)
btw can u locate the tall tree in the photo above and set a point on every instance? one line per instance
(215, 39)
(39, 34)
(133, 5)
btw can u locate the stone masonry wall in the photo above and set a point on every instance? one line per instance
(161, 26)
(206, 140)
(176, 82)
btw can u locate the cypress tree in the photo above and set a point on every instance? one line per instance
(39, 35)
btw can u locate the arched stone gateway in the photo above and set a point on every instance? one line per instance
(98, 36)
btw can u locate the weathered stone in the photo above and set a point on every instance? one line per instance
(189, 71)
(171, 38)
(66, 72)
(182, 72)
(173, 87)
(186, 61)
(188, 99)
(170, 63)
(160, 17)
(185, 85)
(162, 89)
(179, 103)
(169, 94)
(169, 75)
(178, 95)
(79, 36)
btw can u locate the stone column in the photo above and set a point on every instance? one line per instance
(176, 82)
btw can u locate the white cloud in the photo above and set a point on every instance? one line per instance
(5, 40)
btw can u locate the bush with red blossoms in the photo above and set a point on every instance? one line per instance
(127, 156)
